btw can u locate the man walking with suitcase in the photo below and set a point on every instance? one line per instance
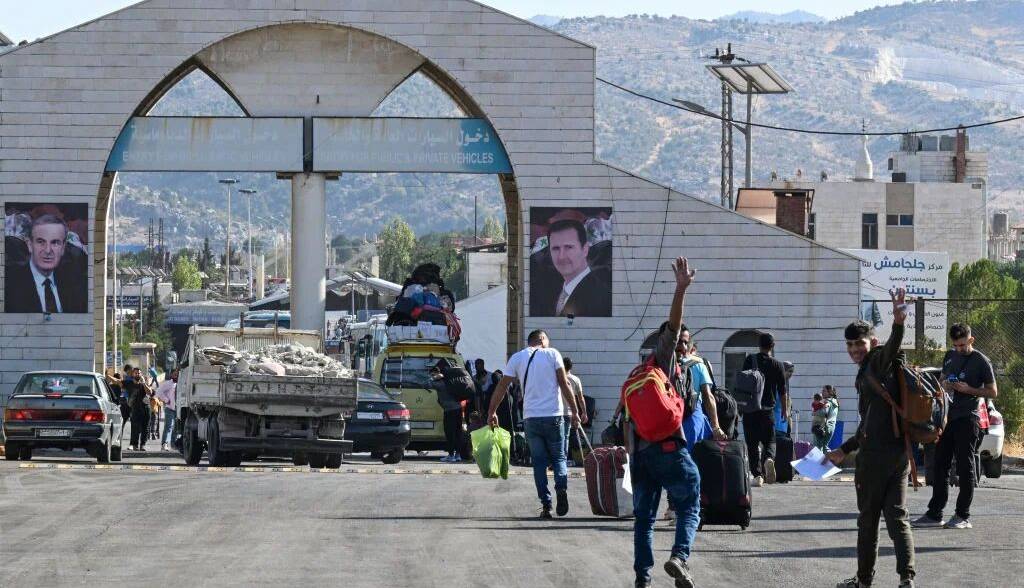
(882, 463)
(546, 394)
(665, 463)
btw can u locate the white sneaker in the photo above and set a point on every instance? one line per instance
(758, 482)
(164, 447)
(957, 523)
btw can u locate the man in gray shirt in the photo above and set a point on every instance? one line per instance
(968, 375)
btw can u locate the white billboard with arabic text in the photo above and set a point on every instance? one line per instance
(923, 274)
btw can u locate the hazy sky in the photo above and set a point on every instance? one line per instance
(31, 19)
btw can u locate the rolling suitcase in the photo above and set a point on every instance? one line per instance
(725, 497)
(608, 483)
(783, 458)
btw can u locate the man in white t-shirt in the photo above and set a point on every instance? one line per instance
(541, 373)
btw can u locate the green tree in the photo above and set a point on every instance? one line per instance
(493, 229)
(185, 275)
(397, 242)
(206, 257)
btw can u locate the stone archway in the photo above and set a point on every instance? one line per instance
(306, 69)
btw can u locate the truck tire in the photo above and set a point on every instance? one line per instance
(233, 459)
(334, 460)
(191, 446)
(26, 454)
(214, 455)
(300, 459)
(12, 452)
(317, 460)
(394, 457)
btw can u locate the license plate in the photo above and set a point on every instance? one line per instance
(423, 425)
(53, 433)
(369, 416)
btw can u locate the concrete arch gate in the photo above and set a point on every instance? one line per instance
(65, 100)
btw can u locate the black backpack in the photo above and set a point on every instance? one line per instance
(459, 383)
(726, 407)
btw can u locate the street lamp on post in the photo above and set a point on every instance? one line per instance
(228, 182)
(249, 192)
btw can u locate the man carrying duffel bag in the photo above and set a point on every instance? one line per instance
(652, 400)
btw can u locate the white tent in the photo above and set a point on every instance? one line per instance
(483, 334)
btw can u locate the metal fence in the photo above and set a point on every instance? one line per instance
(998, 330)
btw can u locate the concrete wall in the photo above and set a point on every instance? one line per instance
(485, 271)
(65, 99)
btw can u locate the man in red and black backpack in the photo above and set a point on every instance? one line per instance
(665, 463)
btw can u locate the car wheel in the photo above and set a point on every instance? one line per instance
(191, 446)
(317, 460)
(233, 459)
(334, 460)
(26, 454)
(993, 467)
(103, 452)
(115, 453)
(12, 452)
(393, 457)
(300, 459)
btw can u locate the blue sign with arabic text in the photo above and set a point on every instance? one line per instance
(427, 145)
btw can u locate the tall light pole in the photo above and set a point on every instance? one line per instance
(228, 182)
(249, 192)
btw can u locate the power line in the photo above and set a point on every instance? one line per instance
(809, 131)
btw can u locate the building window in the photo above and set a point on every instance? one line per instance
(899, 220)
(890, 164)
(811, 219)
(869, 231)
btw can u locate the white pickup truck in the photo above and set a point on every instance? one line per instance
(235, 414)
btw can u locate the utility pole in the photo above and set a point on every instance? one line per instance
(726, 57)
(160, 243)
(228, 182)
(249, 192)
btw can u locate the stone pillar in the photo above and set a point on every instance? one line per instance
(308, 255)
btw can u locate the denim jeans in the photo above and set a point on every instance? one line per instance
(169, 418)
(546, 436)
(652, 469)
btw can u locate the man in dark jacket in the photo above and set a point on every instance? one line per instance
(883, 467)
(452, 407)
(759, 426)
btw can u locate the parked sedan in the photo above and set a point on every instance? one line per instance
(992, 444)
(63, 410)
(380, 424)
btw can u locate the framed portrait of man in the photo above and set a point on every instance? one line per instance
(571, 262)
(46, 258)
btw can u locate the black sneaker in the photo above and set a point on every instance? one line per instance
(562, 503)
(545, 512)
(680, 572)
(641, 583)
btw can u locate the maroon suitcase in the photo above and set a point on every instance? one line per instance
(606, 468)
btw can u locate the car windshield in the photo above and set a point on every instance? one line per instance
(407, 372)
(370, 391)
(57, 384)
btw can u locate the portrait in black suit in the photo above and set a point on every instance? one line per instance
(46, 264)
(571, 263)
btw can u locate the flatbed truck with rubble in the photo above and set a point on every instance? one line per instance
(236, 410)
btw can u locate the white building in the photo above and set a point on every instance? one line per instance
(917, 207)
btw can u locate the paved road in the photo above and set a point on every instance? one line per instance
(77, 526)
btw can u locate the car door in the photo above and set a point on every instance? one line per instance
(112, 408)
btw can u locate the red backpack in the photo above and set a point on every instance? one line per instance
(652, 403)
